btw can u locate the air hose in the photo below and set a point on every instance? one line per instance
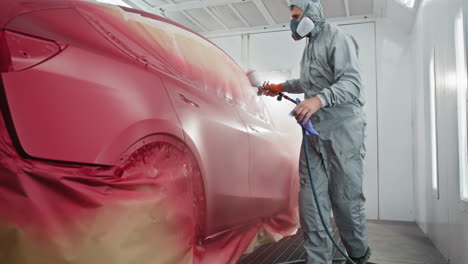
(314, 191)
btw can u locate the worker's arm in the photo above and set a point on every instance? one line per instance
(293, 86)
(344, 60)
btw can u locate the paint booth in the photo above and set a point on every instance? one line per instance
(130, 132)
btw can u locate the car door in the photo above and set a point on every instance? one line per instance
(271, 162)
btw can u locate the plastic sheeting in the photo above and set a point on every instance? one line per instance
(147, 210)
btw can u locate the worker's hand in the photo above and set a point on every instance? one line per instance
(272, 89)
(306, 109)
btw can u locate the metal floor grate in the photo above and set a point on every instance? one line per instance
(287, 250)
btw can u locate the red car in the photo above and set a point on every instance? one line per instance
(127, 138)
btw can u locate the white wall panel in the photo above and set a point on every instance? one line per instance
(444, 219)
(395, 83)
(231, 45)
(275, 51)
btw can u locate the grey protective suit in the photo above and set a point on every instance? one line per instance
(330, 70)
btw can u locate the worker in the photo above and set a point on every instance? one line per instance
(331, 81)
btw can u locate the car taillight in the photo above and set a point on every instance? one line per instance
(19, 52)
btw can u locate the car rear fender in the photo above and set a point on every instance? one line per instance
(93, 109)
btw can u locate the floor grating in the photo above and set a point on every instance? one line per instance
(288, 250)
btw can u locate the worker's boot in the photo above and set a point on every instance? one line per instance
(363, 259)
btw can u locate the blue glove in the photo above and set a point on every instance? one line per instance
(309, 127)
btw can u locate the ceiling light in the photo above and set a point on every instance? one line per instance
(407, 3)
(114, 2)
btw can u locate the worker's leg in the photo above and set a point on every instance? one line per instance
(345, 165)
(317, 245)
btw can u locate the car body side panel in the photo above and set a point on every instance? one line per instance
(213, 128)
(270, 165)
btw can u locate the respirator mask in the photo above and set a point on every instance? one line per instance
(303, 27)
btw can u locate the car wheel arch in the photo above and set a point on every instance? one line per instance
(199, 182)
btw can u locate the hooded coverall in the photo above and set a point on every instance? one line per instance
(330, 70)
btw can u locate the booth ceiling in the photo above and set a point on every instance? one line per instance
(210, 17)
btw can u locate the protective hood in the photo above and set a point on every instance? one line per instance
(315, 12)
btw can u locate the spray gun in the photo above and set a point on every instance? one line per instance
(255, 82)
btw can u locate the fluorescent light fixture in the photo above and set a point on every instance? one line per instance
(433, 123)
(407, 3)
(462, 84)
(114, 2)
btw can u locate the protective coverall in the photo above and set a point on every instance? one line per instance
(330, 70)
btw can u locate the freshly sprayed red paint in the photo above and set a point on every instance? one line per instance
(128, 138)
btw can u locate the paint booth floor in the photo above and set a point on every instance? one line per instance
(391, 243)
